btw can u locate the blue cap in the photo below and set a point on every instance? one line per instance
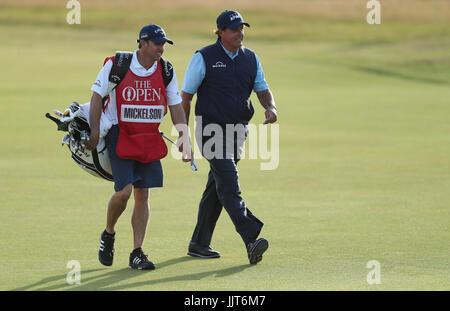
(230, 19)
(155, 33)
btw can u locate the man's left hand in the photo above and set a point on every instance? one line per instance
(271, 116)
(184, 147)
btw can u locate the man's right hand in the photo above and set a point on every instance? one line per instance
(92, 143)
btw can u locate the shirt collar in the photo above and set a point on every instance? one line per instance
(138, 69)
(232, 56)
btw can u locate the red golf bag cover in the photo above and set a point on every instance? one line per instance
(141, 106)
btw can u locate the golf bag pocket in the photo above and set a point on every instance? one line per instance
(142, 147)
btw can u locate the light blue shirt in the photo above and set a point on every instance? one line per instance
(196, 70)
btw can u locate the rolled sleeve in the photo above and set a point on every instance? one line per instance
(260, 81)
(100, 85)
(173, 95)
(194, 75)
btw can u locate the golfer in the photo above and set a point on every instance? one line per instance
(136, 108)
(223, 75)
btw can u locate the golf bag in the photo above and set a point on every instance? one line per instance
(74, 121)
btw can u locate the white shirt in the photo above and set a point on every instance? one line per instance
(101, 85)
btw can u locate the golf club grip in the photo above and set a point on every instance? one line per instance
(52, 118)
(194, 166)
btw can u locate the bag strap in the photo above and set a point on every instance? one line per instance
(167, 71)
(121, 64)
(120, 67)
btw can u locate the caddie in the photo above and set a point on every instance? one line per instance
(136, 107)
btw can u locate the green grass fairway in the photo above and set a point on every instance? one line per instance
(364, 170)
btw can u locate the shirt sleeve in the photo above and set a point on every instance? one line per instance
(100, 85)
(173, 95)
(194, 75)
(260, 81)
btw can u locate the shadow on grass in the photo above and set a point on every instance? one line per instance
(37, 285)
(106, 281)
(186, 277)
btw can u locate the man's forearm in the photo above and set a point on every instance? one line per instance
(266, 99)
(95, 112)
(177, 114)
(186, 100)
(179, 121)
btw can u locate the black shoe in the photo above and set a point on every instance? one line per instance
(138, 260)
(106, 250)
(198, 250)
(256, 249)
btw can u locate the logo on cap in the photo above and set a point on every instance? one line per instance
(234, 16)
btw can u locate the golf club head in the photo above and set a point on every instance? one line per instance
(194, 166)
(65, 140)
(73, 128)
(84, 136)
(74, 106)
